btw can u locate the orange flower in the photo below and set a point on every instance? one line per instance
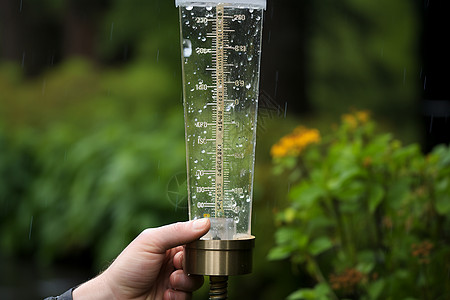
(350, 120)
(358, 117)
(422, 251)
(363, 116)
(278, 151)
(294, 143)
(346, 281)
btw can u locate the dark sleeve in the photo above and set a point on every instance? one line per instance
(66, 296)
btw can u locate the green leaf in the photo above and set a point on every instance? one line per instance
(443, 204)
(305, 194)
(397, 192)
(376, 288)
(291, 236)
(303, 294)
(442, 188)
(376, 194)
(320, 245)
(279, 253)
(342, 177)
(319, 292)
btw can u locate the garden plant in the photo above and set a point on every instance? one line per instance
(367, 217)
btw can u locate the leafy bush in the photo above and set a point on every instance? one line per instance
(87, 158)
(368, 218)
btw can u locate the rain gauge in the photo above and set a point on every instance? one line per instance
(221, 52)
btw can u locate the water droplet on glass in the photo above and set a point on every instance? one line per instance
(187, 48)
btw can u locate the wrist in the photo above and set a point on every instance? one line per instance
(96, 288)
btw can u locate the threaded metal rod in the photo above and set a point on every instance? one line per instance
(218, 287)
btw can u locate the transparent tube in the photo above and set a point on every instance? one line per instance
(221, 47)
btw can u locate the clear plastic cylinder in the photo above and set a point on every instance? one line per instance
(221, 49)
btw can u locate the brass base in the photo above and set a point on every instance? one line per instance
(219, 257)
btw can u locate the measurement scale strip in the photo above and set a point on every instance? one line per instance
(220, 107)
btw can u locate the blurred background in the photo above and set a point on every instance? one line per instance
(92, 133)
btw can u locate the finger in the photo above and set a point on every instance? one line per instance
(177, 295)
(180, 281)
(170, 236)
(178, 260)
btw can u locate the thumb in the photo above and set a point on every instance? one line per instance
(178, 234)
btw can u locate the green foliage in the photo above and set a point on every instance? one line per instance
(364, 50)
(365, 54)
(86, 158)
(368, 218)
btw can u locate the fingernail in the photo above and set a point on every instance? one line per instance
(200, 224)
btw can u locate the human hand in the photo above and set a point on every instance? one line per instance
(150, 267)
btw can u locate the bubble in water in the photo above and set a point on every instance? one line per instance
(203, 39)
(249, 58)
(195, 161)
(247, 199)
(236, 219)
(248, 86)
(189, 7)
(204, 151)
(199, 111)
(208, 7)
